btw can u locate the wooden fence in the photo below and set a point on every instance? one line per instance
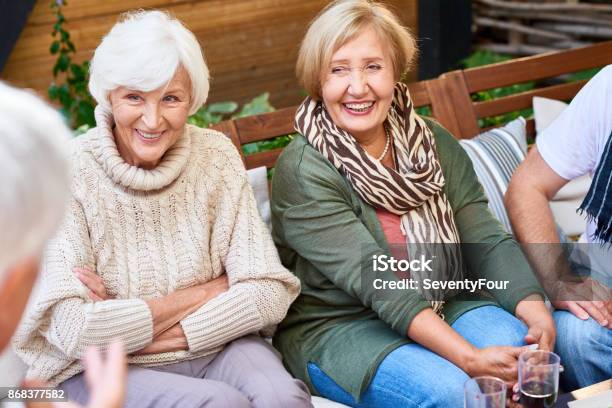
(250, 45)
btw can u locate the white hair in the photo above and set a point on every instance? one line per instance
(143, 52)
(34, 179)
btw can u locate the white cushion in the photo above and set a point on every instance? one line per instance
(319, 402)
(569, 198)
(495, 155)
(258, 179)
(545, 111)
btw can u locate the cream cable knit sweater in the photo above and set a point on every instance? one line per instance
(148, 233)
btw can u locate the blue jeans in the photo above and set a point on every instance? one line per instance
(585, 346)
(412, 376)
(585, 349)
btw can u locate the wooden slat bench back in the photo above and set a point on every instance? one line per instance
(450, 97)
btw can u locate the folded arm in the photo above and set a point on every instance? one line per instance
(64, 314)
(166, 311)
(260, 288)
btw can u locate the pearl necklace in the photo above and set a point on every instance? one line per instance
(384, 153)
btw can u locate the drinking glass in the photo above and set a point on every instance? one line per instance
(485, 392)
(538, 378)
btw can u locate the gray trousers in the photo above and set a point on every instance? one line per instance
(246, 373)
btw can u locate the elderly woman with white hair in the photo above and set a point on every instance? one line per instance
(34, 181)
(162, 245)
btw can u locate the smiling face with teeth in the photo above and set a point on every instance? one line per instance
(358, 87)
(147, 124)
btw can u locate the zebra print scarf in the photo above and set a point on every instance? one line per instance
(413, 191)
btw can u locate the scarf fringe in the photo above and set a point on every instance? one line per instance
(598, 203)
(603, 232)
(437, 306)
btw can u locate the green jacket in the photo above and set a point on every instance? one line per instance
(326, 235)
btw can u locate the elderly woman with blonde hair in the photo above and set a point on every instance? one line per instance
(367, 179)
(162, 245)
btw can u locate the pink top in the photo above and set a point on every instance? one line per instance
(391, 225)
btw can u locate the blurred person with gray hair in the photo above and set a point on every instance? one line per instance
(162, 245)
(33, 192)
(34, 186)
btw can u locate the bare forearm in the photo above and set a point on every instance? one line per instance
(532, 309)
(433, 333)
(530, 214)
(170, 309)
(534, 226)
(173, 308)
(172, 339)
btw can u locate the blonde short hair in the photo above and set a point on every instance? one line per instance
(143, 51)
(340, 22)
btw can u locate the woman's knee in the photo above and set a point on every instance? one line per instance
(229, 398)
(447, 392)
(211, 394)
(413, 376)
(151, 388)
(488, 326)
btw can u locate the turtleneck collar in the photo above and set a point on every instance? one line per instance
(136, 178)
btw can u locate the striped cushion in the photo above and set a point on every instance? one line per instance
(495, 155)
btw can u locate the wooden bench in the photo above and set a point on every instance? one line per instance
(450, 97)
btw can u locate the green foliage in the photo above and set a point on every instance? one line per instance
(214, 113)
(581, 75)
(483, 57)
(72, 94)
(259, 104)
(276, 143)
(424, 111)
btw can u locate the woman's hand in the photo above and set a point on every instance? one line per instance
(216, 286)
(588, 299)
(500, 361)
(174, 307)
(543, 333)
(172, 339)
(94, 283)
(106, 380)
(540, 324)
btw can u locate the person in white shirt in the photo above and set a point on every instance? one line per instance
(577, 143)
